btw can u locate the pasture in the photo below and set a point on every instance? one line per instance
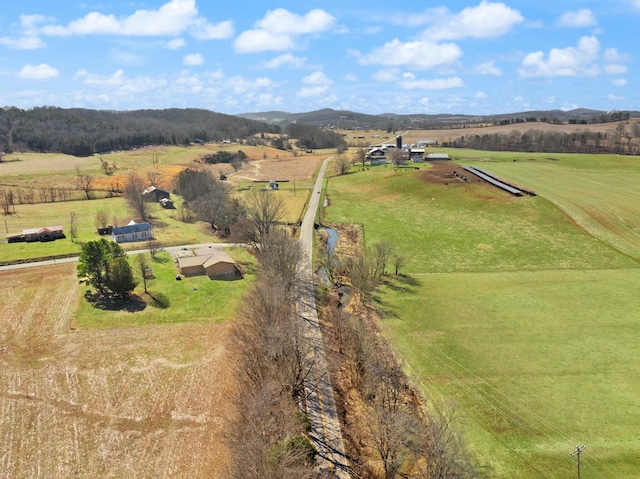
(512, 311)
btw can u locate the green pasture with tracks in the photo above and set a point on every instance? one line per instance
(525, 312)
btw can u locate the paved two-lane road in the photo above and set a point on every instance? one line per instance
(321, 407)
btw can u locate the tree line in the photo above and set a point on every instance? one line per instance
(620, 141)
(83, 132)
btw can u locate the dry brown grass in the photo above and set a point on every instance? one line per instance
(280, 167)
(412, 136)
(147, 401)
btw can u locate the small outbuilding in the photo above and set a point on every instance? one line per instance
(437, 157)
(155, 195)
(416, 154)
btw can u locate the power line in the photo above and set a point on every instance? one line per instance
(576, 453)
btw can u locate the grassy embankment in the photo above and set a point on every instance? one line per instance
(526, 321)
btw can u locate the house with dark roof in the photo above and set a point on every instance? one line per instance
(132, 232)
(154, 194)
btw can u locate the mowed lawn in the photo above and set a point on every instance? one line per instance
(192, 299)
(528, 323)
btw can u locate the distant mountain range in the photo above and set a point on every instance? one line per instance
(344, 119)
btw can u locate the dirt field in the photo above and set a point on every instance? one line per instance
(127, 402)
(284, 168)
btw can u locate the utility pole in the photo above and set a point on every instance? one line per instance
(576, 453)
(295, 173)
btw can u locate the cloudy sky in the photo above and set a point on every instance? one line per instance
(476, 57)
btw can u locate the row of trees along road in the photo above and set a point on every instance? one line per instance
(270, 434)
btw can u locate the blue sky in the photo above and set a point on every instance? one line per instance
(474, 57)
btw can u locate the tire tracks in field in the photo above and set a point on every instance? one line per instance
(121, 423)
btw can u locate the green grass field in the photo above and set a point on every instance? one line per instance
(193, 299)
(526, 321)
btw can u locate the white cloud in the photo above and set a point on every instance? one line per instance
(411, 83)
(577, 19)
(611, 96)
(488, 68)
(22, 43)
(100, 80)
(280, 29)
(119, 83)
(193, 60)
(172, 18)
(619, 82)
(615, 69)
(317, 78)
(175, 44)
(614, 56)
(351, 77)
(570, 61)
(285, 60)
(318, 83)
(481, 95)
(418, 54)
(635, 3)
(311, 91)
(386, 75)
(38, 72)
(204, 30)
(486, 20)
(240, 85)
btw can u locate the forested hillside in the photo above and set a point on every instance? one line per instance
(84, 132)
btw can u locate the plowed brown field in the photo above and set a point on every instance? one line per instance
(147, 401)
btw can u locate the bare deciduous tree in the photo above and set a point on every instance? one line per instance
(73, 226)
(360, 274)
(391, 433)
(84, 182)
(265, 210)
(398, 262)
(361, 155)
(154, 177)
(380, 258)
(154, 247)
(101, 219)
(281, 259)
(144, 269)
(444, 452)
(398, 157)
(341, 164)
(133, 195)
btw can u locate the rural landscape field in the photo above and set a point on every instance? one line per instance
(520, 311)
(147, 390)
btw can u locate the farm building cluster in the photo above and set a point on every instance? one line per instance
(416, 153)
